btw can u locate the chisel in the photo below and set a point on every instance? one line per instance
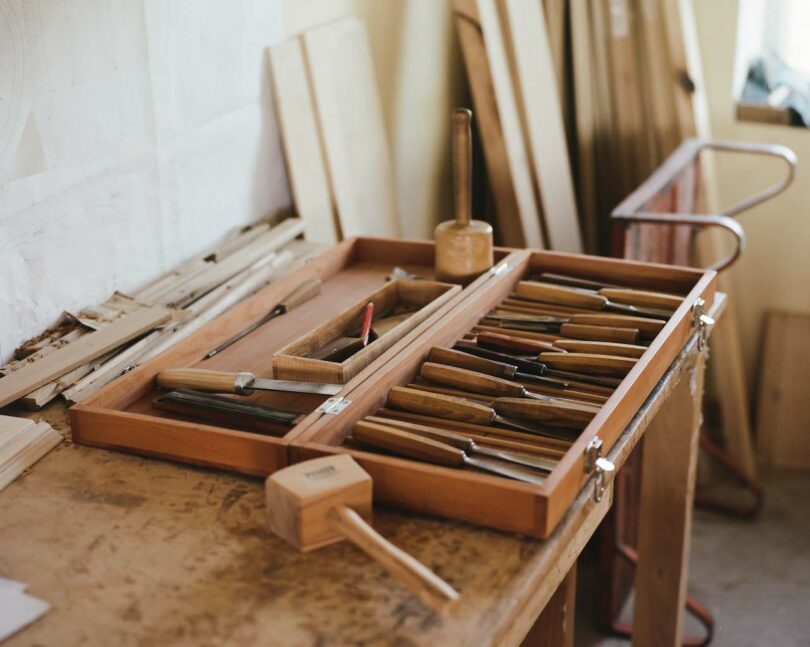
(432, 451)
(591, 363)
(443, 406)
(466, 380)
(301, 294)
(642, 298)
(229, 411)
(343, 348)
(552, 377)
(525, 443)
(601, 347)
(241, 383)
(589, 300)
(559, 414)
(461, 359)
(467, 444)
(512, 344)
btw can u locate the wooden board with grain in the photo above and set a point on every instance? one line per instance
(524, 27)
(348, 106)
(782, 418)
(484, 15)
(300, 134)
(487, 123)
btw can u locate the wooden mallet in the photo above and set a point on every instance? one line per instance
(325, 500)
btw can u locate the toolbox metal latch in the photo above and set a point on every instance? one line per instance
(702, 322)
(334, 406)
(594, 462)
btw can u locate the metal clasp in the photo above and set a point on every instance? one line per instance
(334, 406)
(702, 322)
(594, 462)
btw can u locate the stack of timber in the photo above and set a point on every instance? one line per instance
(332, 128)
(87, 350)
(513, 80)
(22, 443)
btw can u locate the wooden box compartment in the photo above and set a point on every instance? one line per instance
(490, 500)
(121, 415)
(420, 297)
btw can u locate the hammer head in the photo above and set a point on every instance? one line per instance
(300, 497)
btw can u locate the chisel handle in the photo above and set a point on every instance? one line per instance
(569, 416)
(205, 380)
(642, 298)
(590, 363)
(301, 294)
(560, 295)
(648, 327)
(417, 577)
(450, 357)
(600, 347)
(465, 380)
(439, 406)
(408, 444)
(600, 333)
(464, 443)
(511, 343)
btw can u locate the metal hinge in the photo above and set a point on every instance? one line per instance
(500, 269)
(334, 406)
(702, 322)
(594, 462)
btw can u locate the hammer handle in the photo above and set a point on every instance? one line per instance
(417, 577)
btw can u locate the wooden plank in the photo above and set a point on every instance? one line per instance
(784, 392)
(487, 122)
(545, 132)
(351, 123)
(505, 99)
(306, 166)
(585, 109)
(85, 349)
(634, 156)
(28, 445)
(665, 515)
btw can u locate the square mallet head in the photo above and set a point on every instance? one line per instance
(301, 497)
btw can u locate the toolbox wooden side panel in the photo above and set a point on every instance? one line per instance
(189, 442)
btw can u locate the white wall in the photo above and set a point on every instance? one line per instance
(774, 271)
(133, 134)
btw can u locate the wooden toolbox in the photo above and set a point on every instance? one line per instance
(121, 415)
(493, 501)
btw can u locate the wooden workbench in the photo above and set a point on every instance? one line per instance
(133, 551)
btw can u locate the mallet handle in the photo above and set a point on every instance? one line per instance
(417, 577)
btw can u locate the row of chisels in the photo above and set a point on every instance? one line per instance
(512, 395)
(508, 398)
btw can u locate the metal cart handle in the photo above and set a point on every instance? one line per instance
(631, 209)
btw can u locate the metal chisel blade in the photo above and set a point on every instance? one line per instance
(263, 384)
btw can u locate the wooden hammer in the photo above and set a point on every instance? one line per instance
(326, 500)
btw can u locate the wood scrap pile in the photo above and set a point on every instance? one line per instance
(331, 123)
(86, 351)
